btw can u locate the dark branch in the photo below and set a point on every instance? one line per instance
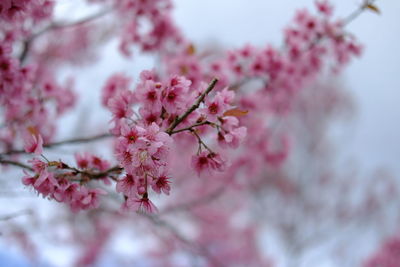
(64, 142)
(195, 203)
(196, 248)
(15, 163)
(15, 214)
(54, 26)
(196, 105)
(191, 127)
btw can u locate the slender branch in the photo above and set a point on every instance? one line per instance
(357, 12)
(64, 142)
(196, 202)
(79, 140)
(15, 163)
(196, 105)
(201, 141)
(15, 214)
(99, 175)
(191, 127)
(89, 175)
(197, 248)
(54, 26)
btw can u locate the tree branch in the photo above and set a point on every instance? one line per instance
(196, 202)
(15, 163)
(54, 26)
(93, 175)
(196, 105)
(357, 12)
(64, 142)
(191, 127)
(15, 214)
(196, 248)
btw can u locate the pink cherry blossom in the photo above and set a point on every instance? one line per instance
(161, 184)
(127, 186)
(174, 99)
(207, 162)
(143, 204)
(114, 84)
(33, 143)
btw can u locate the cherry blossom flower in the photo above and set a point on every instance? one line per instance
(207, 161)
(33, 143)
(161, 184)
(114, 84)
(127, 186)
(174, 98)
(142, 204)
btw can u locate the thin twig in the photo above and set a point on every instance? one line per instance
(15, 214)
(357, 12)
(64, 142)
(191, 127)
(98, 175)
(200, 141)
(192, 108)
(54, 26)
(15, 163)
(196, 202)
(197, 248)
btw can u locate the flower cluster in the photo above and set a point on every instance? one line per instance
(145, 139)
(30, 96)
(56, 180)
(17, 11)
(142, 152)
(160, 32)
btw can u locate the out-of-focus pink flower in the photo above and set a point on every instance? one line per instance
(324, 7)
(207, 161)
(114, 84)
(232, 138)
(33, 143)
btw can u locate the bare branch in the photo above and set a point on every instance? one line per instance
(64, 142)
(198, 249)
(15, 214)
(54, 26)
(15, 163)
(191, 127)
(196, 202)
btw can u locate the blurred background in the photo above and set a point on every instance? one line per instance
(367, 141)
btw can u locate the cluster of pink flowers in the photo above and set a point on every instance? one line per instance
(30, 96)
(13, 11)
(56, 180)
(146, 24)
(144, 139)
(143, 153)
